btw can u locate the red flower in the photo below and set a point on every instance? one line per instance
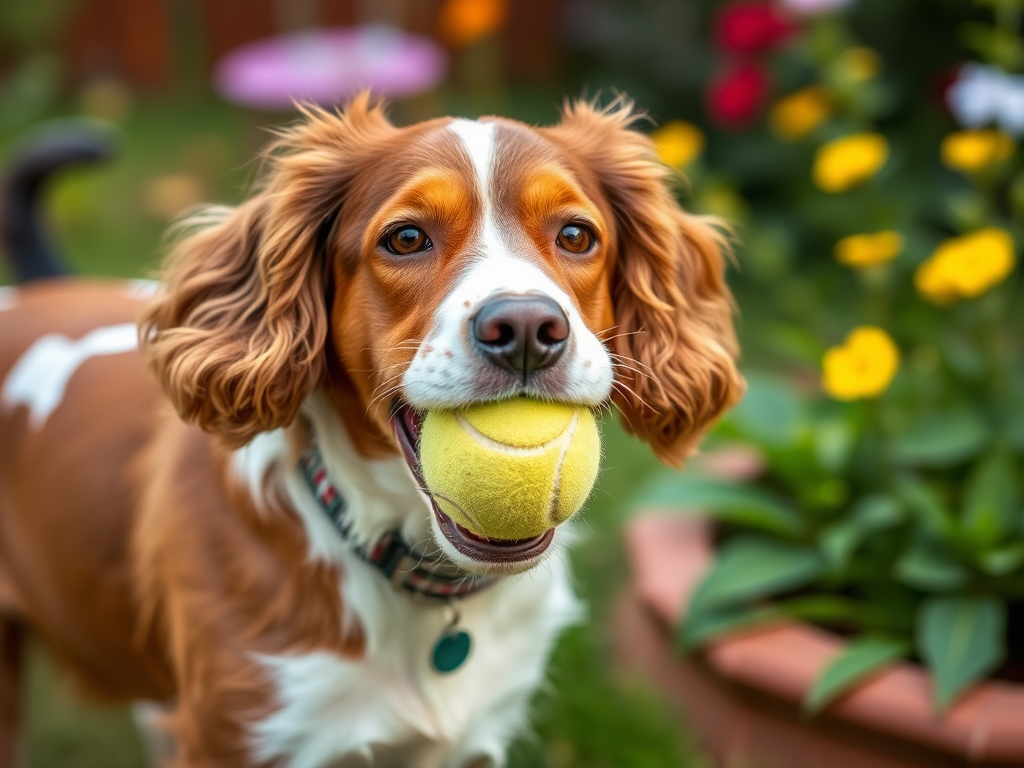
(737, 96)
(751, 27)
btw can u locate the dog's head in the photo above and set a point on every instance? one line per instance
(448, 263)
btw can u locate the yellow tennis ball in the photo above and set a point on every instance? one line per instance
(510, 469)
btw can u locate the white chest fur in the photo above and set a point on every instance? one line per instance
(391, 707)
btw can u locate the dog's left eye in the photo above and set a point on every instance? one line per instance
(405, 240)
(575, 238)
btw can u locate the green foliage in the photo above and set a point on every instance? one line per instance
(942, 439)
(857, 662)
(961, 639)
(746, 505)
(746, 569)
(890, 506)
(929, 563)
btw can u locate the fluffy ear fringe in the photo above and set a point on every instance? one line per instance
(673, 311)
(237, 335)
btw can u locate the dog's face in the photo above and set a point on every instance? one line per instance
(478, 271)
(449, 263)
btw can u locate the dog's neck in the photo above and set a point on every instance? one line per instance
(381, 494)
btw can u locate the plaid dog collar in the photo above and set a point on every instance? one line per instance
(432, 577)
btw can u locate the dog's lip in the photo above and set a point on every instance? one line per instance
(405, 422)
(492, 551)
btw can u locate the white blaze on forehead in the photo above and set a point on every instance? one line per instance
(478, 139)
(7, 298)
(41, 375)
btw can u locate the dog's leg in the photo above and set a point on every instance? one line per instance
(12, 636)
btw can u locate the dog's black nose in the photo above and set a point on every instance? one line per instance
(521, 332)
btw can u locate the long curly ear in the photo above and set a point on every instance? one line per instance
(673, 310)
(236, 337)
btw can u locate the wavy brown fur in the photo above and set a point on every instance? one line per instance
(673, 310)
(237, 337)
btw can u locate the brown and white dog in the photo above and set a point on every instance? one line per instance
(156, 526)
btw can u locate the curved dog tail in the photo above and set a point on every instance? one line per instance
(24, 235)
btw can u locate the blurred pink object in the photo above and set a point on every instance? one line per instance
(738, 462)
(327, 65)
(813, 7)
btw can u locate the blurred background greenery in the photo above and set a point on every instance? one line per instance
(742, 97)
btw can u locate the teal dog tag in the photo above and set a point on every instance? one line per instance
(451, 650)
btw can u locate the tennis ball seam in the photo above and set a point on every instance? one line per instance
(569, 433)
(513, 450)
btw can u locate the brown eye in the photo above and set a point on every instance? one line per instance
(406, 240)
(575, 238)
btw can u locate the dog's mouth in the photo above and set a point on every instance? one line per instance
(406, 423)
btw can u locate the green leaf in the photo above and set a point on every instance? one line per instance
(926, 567)
(990, 499)
(749, 568)
(839, 612)
(735, 503)
(834, 441)
(860, 660)
(961, 639)
(942, 440)
(1001, 561)
(872, 513)
(925, 503)
(770, 413)
(702, 626)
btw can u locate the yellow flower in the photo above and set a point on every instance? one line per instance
(863, 366)
(463, 22)
(869, 250)
(798, 114)
(971, 151)
(678, 142)
(860, 64)
(848, 161)
(967, 266)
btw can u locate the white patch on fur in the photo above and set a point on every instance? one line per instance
(391, 708)
(8, 297)
(447, 372)
(41, 375)
(153, 722)
(478, 139)
(253, 462)
(142, 289)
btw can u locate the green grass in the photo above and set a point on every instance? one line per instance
(106, 223)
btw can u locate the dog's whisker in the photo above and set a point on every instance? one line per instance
(633, 360)
(626, 391)
(637, 371)
(609, 329)
(387, 381)
(621, 335)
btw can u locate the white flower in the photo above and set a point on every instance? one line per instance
(984, 94)
(813, 7)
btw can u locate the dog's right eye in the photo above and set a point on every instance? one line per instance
(405, 240)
